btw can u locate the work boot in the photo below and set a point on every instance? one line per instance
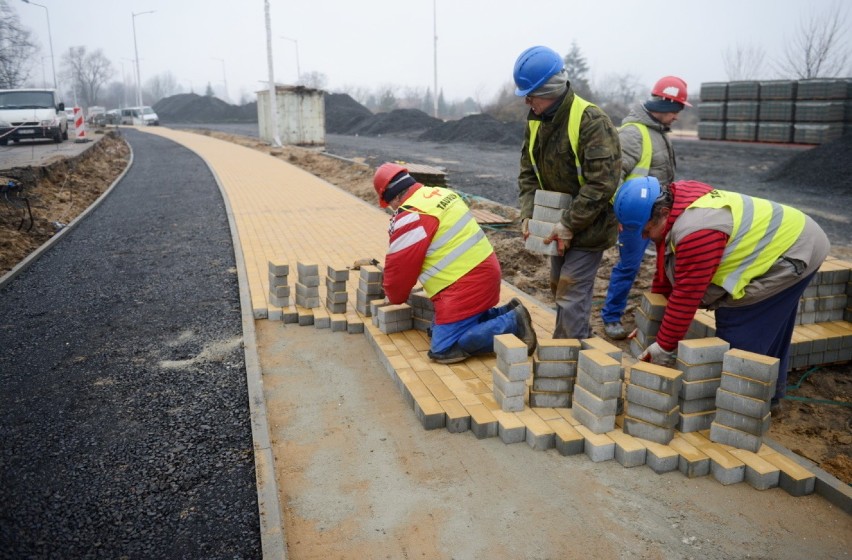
(526, 332)
(513, 303)
(615, 331)
(451, 356)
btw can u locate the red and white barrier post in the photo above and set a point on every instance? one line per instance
(79, 125)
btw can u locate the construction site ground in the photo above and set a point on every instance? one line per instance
(357, 474)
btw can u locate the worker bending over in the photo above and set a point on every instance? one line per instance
(434, 239)
(748, 258)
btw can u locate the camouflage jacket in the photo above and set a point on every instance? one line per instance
(591, 218)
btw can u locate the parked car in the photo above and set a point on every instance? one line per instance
(70, 114)
(113, 116)
(32, 113)
(139, 116)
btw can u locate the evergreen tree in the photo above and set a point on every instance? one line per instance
(578, 69)
(209, 91)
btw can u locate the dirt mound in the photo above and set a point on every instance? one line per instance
(343, 114)
(828, 166)
(475, 129)
(398, 120)
(194, 108)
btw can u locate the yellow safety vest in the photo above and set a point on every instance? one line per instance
(458, 246)
(643, 166)
(763, 230)
(578, 107)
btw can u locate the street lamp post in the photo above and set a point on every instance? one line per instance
(136, 51)
(224, 76)
(298, 71)
(49, 38)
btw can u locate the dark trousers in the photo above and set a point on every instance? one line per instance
(764, 328)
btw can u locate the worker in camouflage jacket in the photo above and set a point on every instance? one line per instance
(572, 147)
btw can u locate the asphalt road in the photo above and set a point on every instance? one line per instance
(124, 414)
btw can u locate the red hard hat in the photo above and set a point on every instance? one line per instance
(384, 174)
(671, 88)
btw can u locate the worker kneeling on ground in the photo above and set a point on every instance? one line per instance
(434, 239)
(748, 258)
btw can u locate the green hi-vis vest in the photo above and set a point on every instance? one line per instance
(458, 246)
(762, 231)
(578, 106)
(643, 166)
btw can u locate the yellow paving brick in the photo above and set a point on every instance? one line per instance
(436, 386)
(568, 416)
(477, 387)
(593, 438)
(563, 430)
(463, 372)
(626, 441)
(788, 466)
(534, 422)
(546, 413)
(454, 409)
(398, 362)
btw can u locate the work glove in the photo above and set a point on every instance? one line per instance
(656, 355)
(525, 228)
(562, 235)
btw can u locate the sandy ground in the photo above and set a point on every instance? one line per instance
(821, 433)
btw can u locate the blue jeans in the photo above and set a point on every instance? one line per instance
(765, 327)
(475, 335)
(631, 249)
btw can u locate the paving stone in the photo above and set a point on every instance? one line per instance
(608, 390)
(747, 387)
(735, 438)
(457, 417)
(540, 436)
(699, 372)
(289, 315)
(510, 428)
(653, 305)
(695, 421)
(724, 467)
(370, 273)
(629, 452)
(644, 430)
(536, 244)
(554, 368)
(656, 377)
(507, 387)
(483, 424)
(354, 324)
(603, 345)
(702, 350)
(511, 348)
(515, 372)
(279, 291)
(754, 426)
(645, 324)
(553, 384)
(760, 474)
(661, 458)
(508, 403)
(429, 412)
(307, 302)
(552, 199)
(600, 366)
(651, 399)
(593, 403)
(793, 478)
(751, 365)
(567, 440)
(691, 390)
(597, 446)
(756, 408)
(550, 399)
(691, 462)
(664, 419)
(337, 273)
(338, 322)
(279, 267)
(558, 349)
(322, 320)
(697, 405)
(595, 424)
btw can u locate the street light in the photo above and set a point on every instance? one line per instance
(298, 72)
(224, 76)
(49, 38)
(136, 50)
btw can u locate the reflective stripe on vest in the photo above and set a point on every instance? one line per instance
(763, 230)
(578, 107)
(643, 166)
(458, 246)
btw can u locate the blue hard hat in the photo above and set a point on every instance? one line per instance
(634, 201)
(534, 67)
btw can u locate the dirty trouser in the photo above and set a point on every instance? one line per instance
(631, 249)
(474, 335)
(765, 327)
(572, 281)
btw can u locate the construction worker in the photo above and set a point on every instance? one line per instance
(570, 147)
(645, 150)
(748, 258)
(435, 240)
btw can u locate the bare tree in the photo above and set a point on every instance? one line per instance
(162, 85)
(616, 92)
(819, 48)
(315, 80)
(88, 72)
(743, 62)
(17, 49)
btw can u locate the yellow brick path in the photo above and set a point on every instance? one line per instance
(284, 213)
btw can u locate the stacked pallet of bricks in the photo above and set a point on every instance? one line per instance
(700, 362)
(743, 399)
(813, 111)
(547, 212)
(509, 376)
(279, 288)
(554, 372)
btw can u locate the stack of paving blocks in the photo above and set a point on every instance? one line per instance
(652, 402)
(648, 317)
(279, 288)
(422, 309)
(336, 296)
(611, 350)
(743, 399)
(369, 289)
(554, 372)
(393, 318)
(509, 376)
(547, 212)
(307, 295)
(700, 361)
(597, 390)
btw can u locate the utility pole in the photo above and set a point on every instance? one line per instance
(273, 101)
(136, 51)
(50, 40)
(224, 77)
(435, 51)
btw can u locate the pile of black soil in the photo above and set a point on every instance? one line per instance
(396, 121)
(194, 108)
(474, 129)
(827, 167)
(343, 114)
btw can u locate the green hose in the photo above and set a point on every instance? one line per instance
(810, 400)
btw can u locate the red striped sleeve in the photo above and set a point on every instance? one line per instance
(697, 257)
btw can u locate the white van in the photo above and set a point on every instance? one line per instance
(139, 116)
(32, 113)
